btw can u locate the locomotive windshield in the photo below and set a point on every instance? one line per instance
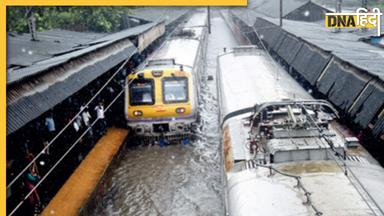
(175, 89)
(141, 92)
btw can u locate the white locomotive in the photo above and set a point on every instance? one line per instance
(284, 152)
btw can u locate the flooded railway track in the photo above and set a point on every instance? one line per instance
(177, 179)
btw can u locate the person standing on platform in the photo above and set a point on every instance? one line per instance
(86, 116)
(50, 125)
(51, 129)
(77, 124)
(32, 177)
(101, 118)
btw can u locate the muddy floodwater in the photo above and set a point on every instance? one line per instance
(177, 179)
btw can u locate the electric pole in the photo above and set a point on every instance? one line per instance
(31, 20)
(338, 10)
(281, 13)
(209, 19)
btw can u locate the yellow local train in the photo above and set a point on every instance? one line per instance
(161, 100)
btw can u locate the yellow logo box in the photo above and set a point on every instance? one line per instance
(363, 18)
(350, 21)
(131, 2)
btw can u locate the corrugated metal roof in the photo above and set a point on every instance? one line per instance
(345, 45)
(271, 8)
(333, 62)
(16, 75)
(342, 85)
(51, 77)
(24, 105)
(367, 105)
(310, 62)
(309, 12)
(24, 52)
(42, 74)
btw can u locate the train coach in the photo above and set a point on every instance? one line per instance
(284, 152)
(161, 100)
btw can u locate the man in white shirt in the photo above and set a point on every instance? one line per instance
(100, 111)
(86, 116)
(77, 123)
(101, 118)
(87, 123)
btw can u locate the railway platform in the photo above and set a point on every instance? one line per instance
(70, 199)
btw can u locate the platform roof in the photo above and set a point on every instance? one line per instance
(23, 53)
(272, 7)
(346, 45)
(43, 73)
(332, 62)
(49, 55)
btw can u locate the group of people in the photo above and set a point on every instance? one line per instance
(83, 122)
(45, 134)
(81, 128)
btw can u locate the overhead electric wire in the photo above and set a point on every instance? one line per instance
(65, 127)
(345, 167)
(74, 118)
(323, 136)
(63, 156)
(69, 123)
(299, 185)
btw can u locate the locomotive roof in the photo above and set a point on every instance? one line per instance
(256, 192)
(167, 69)
(184, 51)
(251, 78)
(184, 43)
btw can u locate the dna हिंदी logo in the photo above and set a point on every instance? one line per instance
(362, 18)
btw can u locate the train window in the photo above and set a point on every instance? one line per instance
(175, 89)
(141, 92)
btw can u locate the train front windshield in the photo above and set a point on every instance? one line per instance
(175, 89)
(141, 92)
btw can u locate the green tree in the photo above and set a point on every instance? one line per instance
(76, 18)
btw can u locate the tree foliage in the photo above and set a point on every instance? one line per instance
(76, 18)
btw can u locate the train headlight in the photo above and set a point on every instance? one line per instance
(137, 113)
(180, 110)
(157, 73)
